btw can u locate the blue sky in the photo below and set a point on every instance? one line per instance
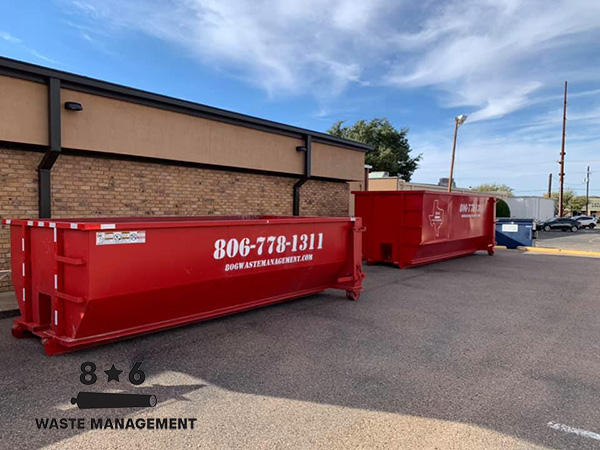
(310, 63)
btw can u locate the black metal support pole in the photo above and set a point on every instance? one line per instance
(307, 149)
(54, 148)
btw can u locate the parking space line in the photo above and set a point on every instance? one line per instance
(573, 430)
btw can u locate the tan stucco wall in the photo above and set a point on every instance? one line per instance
(115, 126)
(121, 127)
(23, 111)
(383, 184)
(337, 162)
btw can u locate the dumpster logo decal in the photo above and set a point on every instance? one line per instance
(87, 400)
(436, 218)
(470, 210)
(268, 246)
(121, 237)
(111, 400)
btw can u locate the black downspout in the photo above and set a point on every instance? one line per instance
(54, 138)
(307, 149)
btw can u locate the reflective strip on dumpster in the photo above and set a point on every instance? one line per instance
(88, 281)
(410, 228)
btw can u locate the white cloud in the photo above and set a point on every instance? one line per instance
(520, 154)
(498, 105)
(283, 46)
(490, 57)
(494, 54)
(7, 37)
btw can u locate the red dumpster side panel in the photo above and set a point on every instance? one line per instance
(409, 228)
(96, 281)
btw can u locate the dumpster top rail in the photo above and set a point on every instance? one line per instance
(116, 223)
(422, 191)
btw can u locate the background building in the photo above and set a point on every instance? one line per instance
(594, 206)
(381, 181)
(531, 207)
(72, 146)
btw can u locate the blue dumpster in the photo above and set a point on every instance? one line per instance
(514, 233)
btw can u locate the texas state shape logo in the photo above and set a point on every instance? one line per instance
(436, 218)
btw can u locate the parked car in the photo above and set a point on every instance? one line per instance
(587, 221)
(561, 223)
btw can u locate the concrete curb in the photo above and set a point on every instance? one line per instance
(559, 251)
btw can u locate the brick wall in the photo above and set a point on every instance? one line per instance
(18, 197)
(320, 198)
(88, 186)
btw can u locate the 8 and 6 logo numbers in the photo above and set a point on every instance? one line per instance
(88, 374)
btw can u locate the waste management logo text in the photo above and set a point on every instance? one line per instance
(111, 400)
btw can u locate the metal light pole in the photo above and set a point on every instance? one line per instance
(587, 192)
(458, 121)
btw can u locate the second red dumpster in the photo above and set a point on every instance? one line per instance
(410, 228)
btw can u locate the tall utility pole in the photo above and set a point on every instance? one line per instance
(561, 175)
(550, 186)
(587, 192)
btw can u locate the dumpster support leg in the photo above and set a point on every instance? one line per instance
(353, 284)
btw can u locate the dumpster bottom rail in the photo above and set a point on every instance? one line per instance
(428, 254)
(56, 345)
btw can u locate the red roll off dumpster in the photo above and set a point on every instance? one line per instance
(82, 282)
(410, 228)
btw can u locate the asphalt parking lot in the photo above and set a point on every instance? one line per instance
(479, 352)
(587, 240)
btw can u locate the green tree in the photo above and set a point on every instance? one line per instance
(502, 208)
(494, 187)
(392, 151)
(572, 203)
(577, 204)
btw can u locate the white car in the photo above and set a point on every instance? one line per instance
(586, 221)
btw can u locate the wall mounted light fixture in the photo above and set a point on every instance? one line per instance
(73, 106)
